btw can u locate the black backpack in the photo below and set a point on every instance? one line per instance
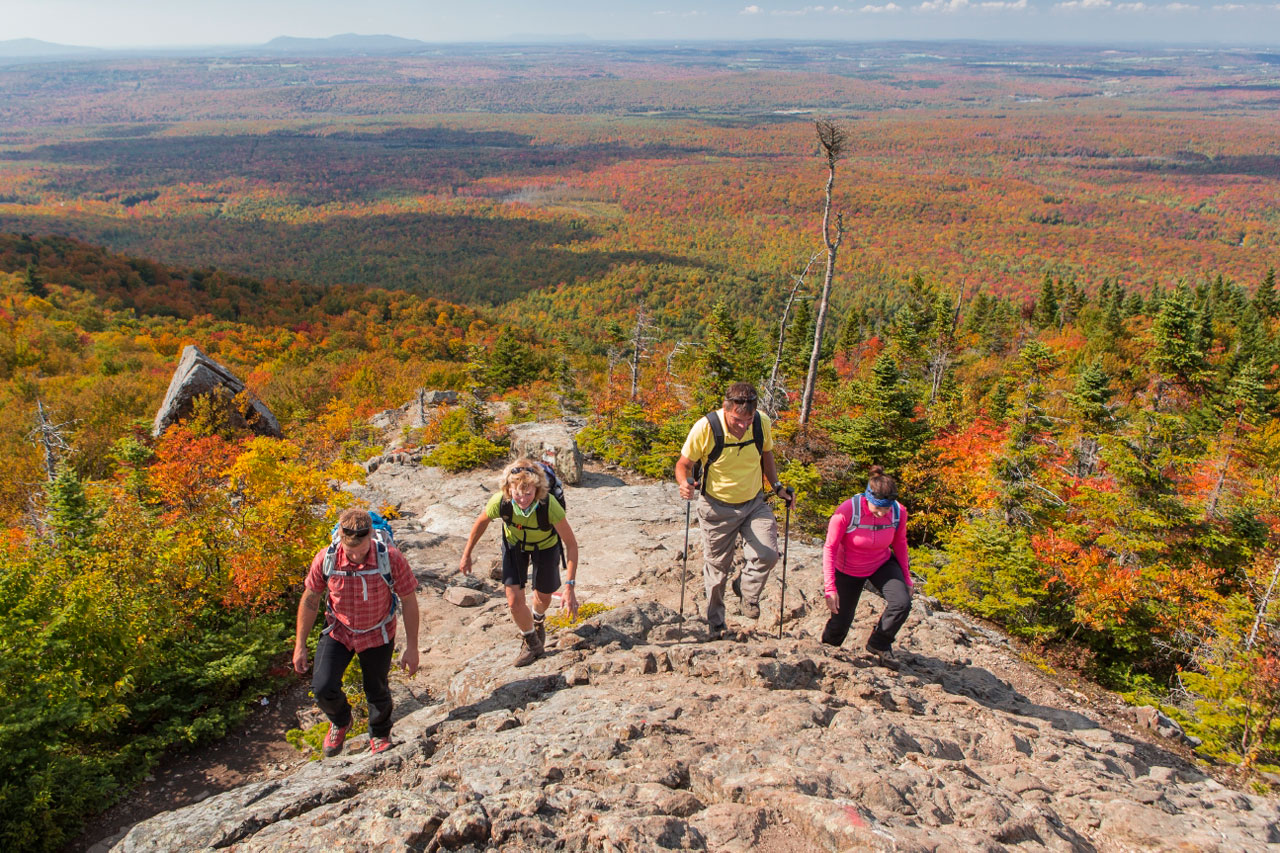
(717, 434)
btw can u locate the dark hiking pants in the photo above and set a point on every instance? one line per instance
(332, 660)
(888, 581)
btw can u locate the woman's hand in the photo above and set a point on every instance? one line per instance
(464, 565)
(833, 603)
(569, 602)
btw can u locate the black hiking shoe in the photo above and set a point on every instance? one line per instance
(884, 657)
(716, 632)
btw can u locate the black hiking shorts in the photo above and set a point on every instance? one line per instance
(546, 568)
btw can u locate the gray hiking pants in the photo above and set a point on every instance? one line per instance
(721, 525)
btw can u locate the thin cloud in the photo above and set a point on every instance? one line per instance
(751, 10)
(887, 8)
(1073, 5)
(954, 6)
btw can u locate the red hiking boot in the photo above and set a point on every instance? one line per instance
(379, 744)
(334, 740)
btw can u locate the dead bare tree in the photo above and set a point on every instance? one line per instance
(50, 437)
(770, 395)
(641, 343)
(1263, 606)
(832, 139)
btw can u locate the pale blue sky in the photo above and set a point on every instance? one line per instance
(117, 23)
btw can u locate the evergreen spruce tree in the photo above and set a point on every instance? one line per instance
(1204, 327)
(850, 333)
(1091, 403)
(34, 282)
(799, 342)
(1174, 334)
(510, 363)
(1046, 310)
(1134, 304)
(1022, 497)
(1265, 300)
(976, 316)
(885, 432)
(72, 519)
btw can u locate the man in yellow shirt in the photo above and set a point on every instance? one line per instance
(735, 445)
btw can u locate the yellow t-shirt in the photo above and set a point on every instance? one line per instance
(736, 476)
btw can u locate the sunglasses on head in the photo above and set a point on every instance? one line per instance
(524, 470)
(359, 533)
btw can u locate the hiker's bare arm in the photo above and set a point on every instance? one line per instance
(684, 466)
(409, 660)
(770, 469)
(567, 592)
(477, 530)
(308, 607)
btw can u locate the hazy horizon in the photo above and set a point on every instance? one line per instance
(142, 24)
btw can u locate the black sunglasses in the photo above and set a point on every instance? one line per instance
(356, 534)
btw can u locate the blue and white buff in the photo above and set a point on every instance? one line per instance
(875, 501)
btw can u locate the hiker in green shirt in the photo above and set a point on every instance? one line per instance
(534, 530)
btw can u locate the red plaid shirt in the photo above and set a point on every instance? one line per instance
(347, 600)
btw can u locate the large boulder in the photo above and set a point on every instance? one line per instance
(551, 442)
(198, 375)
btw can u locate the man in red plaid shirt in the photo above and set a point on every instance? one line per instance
(360, 620)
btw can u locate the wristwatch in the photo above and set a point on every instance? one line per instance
(570, 582)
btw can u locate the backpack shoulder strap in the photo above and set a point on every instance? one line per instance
(855, 516)
(504, 510)
(897, 514)
(717, 446)
(330, 560)
(544, 513)
(757, 433)
(384, 564)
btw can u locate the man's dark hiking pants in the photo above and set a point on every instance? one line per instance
(887, 581)
(332, 660)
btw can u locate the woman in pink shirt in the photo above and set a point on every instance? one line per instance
(867, 543)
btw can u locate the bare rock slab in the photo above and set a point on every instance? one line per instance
(551, 442)
(199, 375)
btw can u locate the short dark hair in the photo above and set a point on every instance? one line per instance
(741, 394)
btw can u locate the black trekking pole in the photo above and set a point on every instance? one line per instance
(786, 542)
(684, 571)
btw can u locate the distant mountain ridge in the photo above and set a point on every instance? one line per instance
(338, 45)
(21, 48)
(342, 44)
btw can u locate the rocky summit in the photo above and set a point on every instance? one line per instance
(637, 733)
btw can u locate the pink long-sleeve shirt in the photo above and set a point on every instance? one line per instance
(860, 552)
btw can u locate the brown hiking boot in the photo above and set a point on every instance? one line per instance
(751, 609)
(540, 626)
(530, 650)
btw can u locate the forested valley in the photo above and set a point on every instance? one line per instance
(1054, 320)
